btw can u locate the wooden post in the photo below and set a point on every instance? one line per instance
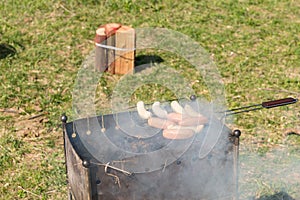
(124, 59)
(110, 56)
(118, 55)
(110, 30)
(100, 52)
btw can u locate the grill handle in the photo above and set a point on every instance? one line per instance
(279, 102)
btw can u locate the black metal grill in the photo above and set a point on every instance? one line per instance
(92, 174)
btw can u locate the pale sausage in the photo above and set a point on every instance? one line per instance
(158, 111)
(176, 107)
(191, 112)
(143, 113)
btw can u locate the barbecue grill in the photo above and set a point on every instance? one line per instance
(105, 162)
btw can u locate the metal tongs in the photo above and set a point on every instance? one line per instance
(267, 104)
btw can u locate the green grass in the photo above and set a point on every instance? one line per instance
(255, 45)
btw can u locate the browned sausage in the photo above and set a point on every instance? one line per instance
(178, 134)
(159, 123)
(193, 121)
(175, 117)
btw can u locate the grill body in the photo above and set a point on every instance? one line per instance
(188, 177)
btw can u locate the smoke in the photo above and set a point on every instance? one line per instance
(273, 175)
(158, 168)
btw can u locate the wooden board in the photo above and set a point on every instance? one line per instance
(110, 53)
(124, 60)
(100, 52)
(109, 58)
(110, 31)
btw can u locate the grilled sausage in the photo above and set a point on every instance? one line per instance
(178, 134)
(159, 123)
(175, 117)
(193, 121)
(196, 129)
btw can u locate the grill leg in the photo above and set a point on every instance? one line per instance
(236, 140)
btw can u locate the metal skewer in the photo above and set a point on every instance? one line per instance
(267, 104)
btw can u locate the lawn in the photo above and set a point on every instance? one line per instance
(254, 44)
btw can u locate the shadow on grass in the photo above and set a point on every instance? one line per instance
(277, 196)
(145, 61)
(6, 50)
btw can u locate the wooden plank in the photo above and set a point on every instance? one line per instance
(109, 59)
(110, 30)
(124, 60)
(110, 54)
(100, 52)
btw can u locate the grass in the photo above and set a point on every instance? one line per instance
(255, 45)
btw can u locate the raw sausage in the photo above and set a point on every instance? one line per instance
(143, 113)
(176, 107)
(158, 111)
(191, 112)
